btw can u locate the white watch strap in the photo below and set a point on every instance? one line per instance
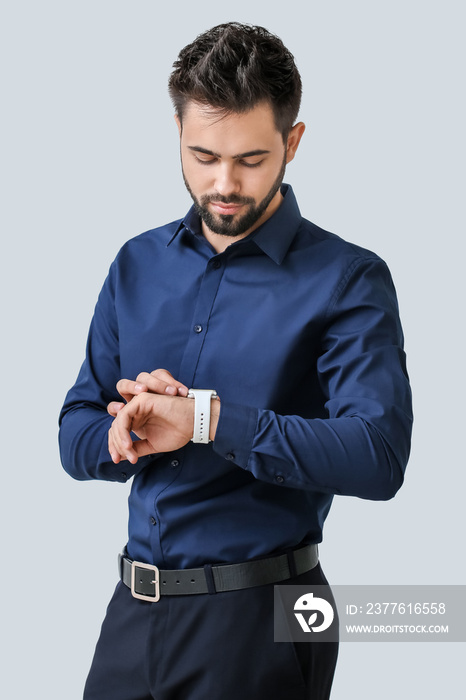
(202, 399)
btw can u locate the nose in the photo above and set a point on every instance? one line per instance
(226, 179)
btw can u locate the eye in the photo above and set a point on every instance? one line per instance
(205, 160)
(248, 164)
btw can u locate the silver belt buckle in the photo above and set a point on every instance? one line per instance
(140, 596)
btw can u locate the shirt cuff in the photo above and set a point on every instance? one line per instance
(235, 432)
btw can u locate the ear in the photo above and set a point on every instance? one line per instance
(294, 137)
(178, 124)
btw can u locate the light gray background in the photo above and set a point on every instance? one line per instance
(89, 158)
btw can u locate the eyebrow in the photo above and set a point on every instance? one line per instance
(248, 154)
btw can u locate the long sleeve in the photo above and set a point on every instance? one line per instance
(362, 447)
(84, 421)
(299, 333)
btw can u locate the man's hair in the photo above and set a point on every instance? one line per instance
(233, 67)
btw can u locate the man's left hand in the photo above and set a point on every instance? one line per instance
(159, 381)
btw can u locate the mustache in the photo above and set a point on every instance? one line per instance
(231, 199)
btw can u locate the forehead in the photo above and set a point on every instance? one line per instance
(230, 133)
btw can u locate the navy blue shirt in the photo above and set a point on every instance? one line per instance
(299, 333)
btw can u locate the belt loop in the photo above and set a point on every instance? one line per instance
(209, 577)
(120, 562)
(291, 563)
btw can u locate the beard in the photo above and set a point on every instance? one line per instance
(230, 224)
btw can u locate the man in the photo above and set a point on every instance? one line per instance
(294, 337)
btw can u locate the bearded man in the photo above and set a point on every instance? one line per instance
(243, 366)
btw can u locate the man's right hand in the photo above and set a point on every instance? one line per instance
(160, 381)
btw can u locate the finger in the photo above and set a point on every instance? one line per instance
(113, 407)
(160, 381)
(165, 375)
(143, 448)
(127, 388)
(114, 454)
(120, 441)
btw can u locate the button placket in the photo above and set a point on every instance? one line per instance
(201, 317)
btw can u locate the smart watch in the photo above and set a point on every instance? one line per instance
(202, 399)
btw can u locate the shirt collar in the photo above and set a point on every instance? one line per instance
(275, 235)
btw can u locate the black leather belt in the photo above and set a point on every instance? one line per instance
(147, 582)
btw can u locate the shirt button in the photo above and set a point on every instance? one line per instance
(279, 479)
(153, 521)
(230, 456)
(175, 463)
(216, 264)
(198, 329)
(124, 475)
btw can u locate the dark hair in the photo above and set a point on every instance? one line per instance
(233, 67)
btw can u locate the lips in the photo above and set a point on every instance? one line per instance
(225, 209)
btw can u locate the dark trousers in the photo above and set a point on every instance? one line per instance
(206, 647)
